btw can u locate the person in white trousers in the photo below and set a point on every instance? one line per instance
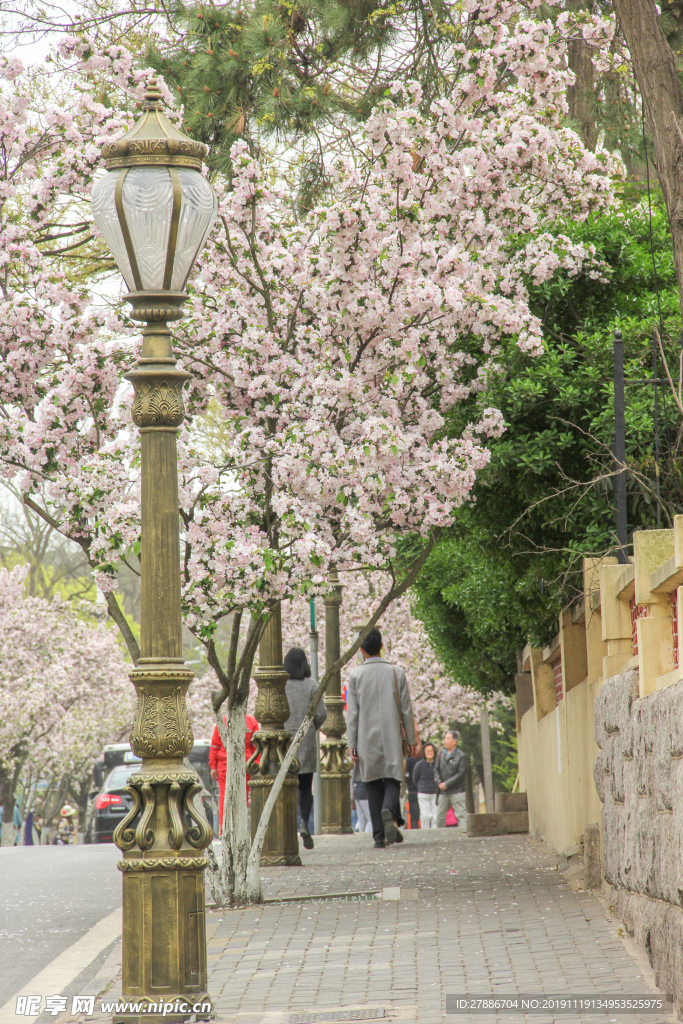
(423, 777)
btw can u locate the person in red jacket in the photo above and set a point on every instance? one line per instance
(218, 759)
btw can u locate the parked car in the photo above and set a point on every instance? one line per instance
(109, 802)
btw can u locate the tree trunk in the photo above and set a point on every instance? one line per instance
(655, 70)
(9, 779)
(581, 95)
(80, 792)
(52, 807)
(215, 878)
(236, 841)
(7, 800)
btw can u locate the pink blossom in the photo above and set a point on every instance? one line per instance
(326, 353)
(64, 688)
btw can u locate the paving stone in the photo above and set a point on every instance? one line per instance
(491, 915)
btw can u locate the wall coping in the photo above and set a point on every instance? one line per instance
(667, 577)
(668, 679)
(624, 585)
(579, 611)
(549, 651)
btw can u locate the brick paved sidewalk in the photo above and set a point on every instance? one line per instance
(490, 915)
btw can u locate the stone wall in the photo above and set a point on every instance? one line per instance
(639, 778)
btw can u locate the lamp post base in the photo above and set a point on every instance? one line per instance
(335, 803)
(163, 837)
(271, 742)
(335, 775)
(164, 946)
(281, 845)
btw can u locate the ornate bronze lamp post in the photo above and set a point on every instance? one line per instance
(155, 210)
(335, 766)
(281, 845)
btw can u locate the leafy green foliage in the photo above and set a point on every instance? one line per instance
(513, 558)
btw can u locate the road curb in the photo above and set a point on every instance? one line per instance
(65, 968)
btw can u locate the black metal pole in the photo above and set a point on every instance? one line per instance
(620, 447)
(655, 385)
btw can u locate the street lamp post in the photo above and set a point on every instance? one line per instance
(281, 843)
(155, 210)
(313, 645)
(620, 448)
(335, 766)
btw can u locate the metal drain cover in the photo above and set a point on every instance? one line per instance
(336, 1015)
(347, 897)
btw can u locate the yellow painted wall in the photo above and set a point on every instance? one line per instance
(555, 743)
(561, 795)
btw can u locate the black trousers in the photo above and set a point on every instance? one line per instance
(305, 795)
(414, 808)
(383, 793)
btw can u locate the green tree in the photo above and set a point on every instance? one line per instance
(274, 70)
(503, 742)
(512, 558)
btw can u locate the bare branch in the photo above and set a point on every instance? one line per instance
(395, 591)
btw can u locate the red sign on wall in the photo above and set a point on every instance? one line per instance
(674, 624)
(556, 666)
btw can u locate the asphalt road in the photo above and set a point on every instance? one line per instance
(49, 897)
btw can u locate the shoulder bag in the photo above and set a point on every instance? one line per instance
(405, 746)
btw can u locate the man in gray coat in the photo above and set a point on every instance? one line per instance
(450, 775)
(378, 700)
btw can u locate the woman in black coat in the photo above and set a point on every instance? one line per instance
(423, 778)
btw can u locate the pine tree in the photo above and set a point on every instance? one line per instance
(272, 69)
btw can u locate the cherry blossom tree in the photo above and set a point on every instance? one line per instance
(333, 348)
(62, 356)
(64, 689)
(199, 703)
(349, 337)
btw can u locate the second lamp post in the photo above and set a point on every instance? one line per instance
(281, 844)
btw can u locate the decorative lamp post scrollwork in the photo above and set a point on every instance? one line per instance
(155, 210)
